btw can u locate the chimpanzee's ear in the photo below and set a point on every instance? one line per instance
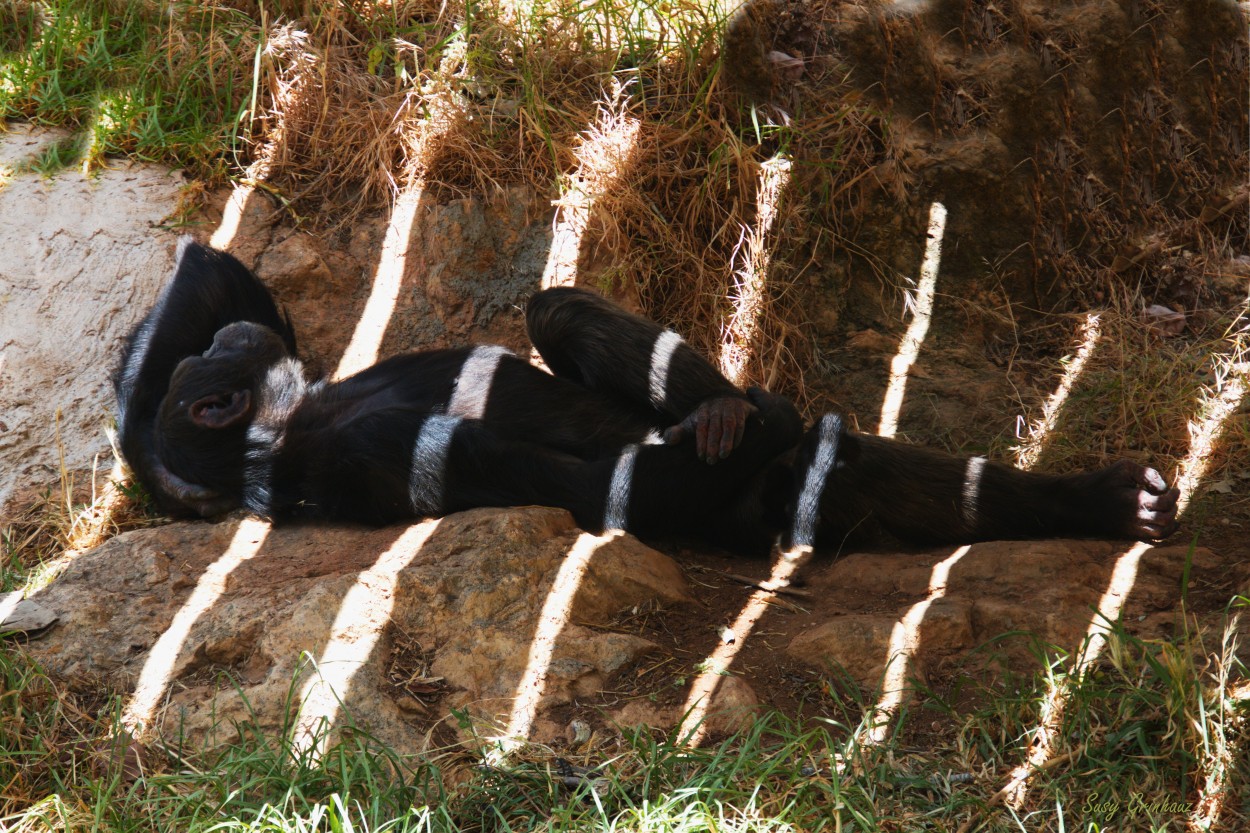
(221, 410)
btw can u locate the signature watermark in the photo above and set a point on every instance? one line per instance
(1135, 806)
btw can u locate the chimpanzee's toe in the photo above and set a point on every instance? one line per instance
(1156, 514)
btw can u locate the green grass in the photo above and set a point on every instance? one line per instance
(188, 83)
(154, 82)
(1135, 743)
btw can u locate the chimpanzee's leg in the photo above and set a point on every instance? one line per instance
(645, 489)
(532, 405)
(872, 484)
(673, 493)
(585, 337)
(588, 339)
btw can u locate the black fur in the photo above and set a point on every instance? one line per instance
(216, 414)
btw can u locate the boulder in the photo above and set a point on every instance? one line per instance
(203, 626)
(514, 622)
(83, 259)
(878, 609)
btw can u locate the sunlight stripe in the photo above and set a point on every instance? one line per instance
(1204, 432)
(713, 669)
(426, 140)
(904, 643)
(428, 473)
(754, 255)
(807, 510)
(475, 380)
(1028, 453)
(162, 661)
(922, 313)
(616, 508)
(666, 344)
(802, 534)
(603, 155)
(366, 341)
(552, 620)
(361, 620)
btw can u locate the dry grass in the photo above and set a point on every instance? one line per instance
(342, 104)
(46, 528)
(1123, 158)
(356, 105)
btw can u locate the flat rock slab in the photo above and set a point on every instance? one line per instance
(518, 619)
(882, 609)
(21, 615)
(81, 259)
(202, 626)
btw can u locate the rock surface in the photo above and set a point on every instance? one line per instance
(85, 257)
(82, 259)
(459, 271)
(203, 625)
(1043, 589)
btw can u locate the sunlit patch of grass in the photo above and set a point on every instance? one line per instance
(157, 82)
(1148, 398)
(58, 156)
(210, 89)
(45, 529)
(1133, 742)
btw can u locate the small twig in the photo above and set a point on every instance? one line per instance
(763, 585)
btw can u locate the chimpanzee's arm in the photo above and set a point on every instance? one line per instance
(395, 463)
(209, 289)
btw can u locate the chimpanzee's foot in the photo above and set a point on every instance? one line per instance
(1139, 502)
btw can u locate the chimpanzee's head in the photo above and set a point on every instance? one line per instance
(212, 399)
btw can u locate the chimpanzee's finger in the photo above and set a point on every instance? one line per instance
(700, 432)
(732, 431)
(741, 428)
(716, 429)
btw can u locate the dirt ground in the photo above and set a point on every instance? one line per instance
(941, 669)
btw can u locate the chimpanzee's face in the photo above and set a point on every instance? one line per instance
(212, 399)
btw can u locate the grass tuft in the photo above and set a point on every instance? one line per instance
(150, 81)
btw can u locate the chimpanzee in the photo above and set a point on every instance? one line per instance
(632, 429)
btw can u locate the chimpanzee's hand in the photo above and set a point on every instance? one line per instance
(1143, 501)
(717, 426)
(194, 498)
